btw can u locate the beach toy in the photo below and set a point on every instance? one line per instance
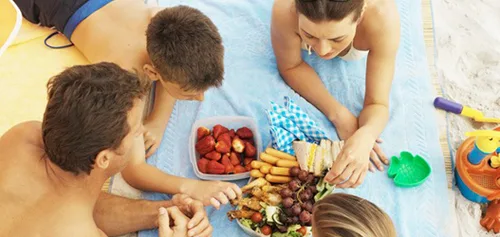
(456, 108)
(408, 170)
(478, 173)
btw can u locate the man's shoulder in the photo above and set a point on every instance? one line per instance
(29, 132)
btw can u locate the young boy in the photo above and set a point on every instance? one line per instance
(179, 48)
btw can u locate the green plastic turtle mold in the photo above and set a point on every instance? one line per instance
(408, 170)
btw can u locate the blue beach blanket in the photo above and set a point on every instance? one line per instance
(252, 82)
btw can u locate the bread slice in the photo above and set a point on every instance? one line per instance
(305, 153)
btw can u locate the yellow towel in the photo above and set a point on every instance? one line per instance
(26, 66)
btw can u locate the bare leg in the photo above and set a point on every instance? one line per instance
(117, 215)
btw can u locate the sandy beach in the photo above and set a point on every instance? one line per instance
(467, 64)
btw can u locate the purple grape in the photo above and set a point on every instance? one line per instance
(286, 193)
(283, 217)
(295, 220)
(309, 193)
(287, 202)
(303, 175)
(313, 189)
(296, 209)
(308, 206)
(282, 228)
(305, 196)
(289, 221)
(288, 211)
(305, 217)
(294, 185)
(294, 171)
(310, 178)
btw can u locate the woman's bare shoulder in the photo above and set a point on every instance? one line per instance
(381, 21)
(284, 14)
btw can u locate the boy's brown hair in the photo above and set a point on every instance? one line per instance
(87, 113)
(186, 48)
(328, 10)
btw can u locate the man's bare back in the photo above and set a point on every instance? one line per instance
(30, 199)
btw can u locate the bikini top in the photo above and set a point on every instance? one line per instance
(353, 54)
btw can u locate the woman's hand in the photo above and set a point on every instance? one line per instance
(347, 124)
(349, 169)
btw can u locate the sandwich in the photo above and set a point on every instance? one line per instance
(315, 158)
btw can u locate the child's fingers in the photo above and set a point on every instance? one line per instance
(215, 203)
(164, 223)
(230, 193)
(221, 197)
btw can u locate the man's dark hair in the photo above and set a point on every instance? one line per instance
(186, 48)
(87, 112)
(328, 10)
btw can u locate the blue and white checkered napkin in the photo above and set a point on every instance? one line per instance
(291, 123)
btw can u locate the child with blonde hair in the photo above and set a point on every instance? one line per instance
(345, 215)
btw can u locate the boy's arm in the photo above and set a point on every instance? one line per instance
(157, 120)
(145, 177)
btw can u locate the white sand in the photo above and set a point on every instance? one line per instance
(468, 65)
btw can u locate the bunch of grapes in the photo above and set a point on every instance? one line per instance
(298, 198)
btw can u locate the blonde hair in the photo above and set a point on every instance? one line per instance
(344, 215)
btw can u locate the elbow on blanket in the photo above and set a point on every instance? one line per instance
(132, 175)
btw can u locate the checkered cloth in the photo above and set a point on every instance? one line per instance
(291, 123)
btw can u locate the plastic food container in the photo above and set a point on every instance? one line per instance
(231, 122)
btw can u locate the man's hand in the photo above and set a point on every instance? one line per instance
(199, 224)
(215, 193)
(179, 223)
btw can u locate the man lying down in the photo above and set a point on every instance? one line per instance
(53, 171)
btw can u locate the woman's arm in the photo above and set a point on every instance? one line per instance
(349, 170)
(300, 76)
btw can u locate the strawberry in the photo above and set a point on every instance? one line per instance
(247, 160)
(202, 165)
(235, 160)
(251, 141)
(239, 169)
(229, 169)
(232, 133)
(225, 137)
(205, 145)
(244, 133)
(202, 132)
(214, 167)
(222, 147)
(225, 160)
(250, 150)
(219, 129)
(238, 145)
(213, 155)
(248, 167)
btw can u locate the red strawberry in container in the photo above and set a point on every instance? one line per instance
(238, 145)
(244, 133)
(219, 130)
(202, 132)
(214, 167)
(205, 145)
